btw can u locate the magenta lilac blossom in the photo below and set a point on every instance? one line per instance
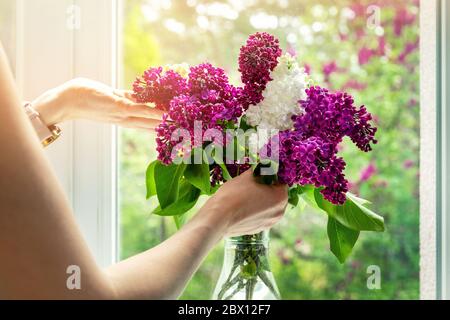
(257, 60)
(159, 87)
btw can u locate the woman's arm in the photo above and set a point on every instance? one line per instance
(39, 237)
(241, 206)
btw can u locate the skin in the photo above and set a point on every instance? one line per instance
(87, 99)
(34, 210)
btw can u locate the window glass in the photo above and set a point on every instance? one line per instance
(368, 48)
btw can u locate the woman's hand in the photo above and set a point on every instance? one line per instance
(244, 206)
(91, 100)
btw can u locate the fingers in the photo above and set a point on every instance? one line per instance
(140, 123)
(130, 109)
(128, 94)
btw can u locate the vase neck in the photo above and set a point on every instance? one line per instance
(258, 238)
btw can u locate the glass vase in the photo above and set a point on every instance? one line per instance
(246, 273)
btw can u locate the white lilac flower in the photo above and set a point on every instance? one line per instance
(281, 97)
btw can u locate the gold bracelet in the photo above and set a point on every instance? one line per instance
(47, 135)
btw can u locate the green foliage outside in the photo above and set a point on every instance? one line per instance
(321, 32)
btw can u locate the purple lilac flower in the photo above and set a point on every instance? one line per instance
(208, 99)
(216, 175)
(159, 87)
(331, 116)
(257, 60)
(210, 84)
(310, 161)
(164, 144)
(234, 170)
(184, 112)
(308, 154)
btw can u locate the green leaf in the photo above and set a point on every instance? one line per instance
(198, 175)
(307, 194)
(243, 124)
(342, 239)
(225, 173)
(353, 214)
(179, 220)
(293, 196)
(167, 181)
(249, 270)
(188, 196)
(150, 179)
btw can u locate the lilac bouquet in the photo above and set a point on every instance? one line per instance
(277, 123)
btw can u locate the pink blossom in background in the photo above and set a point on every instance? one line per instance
(328, 69)
(402, 19)
(340, 147)
(297, 245)
(360, 33)
(291, 50)
(412, 103)
(381, 184)
(356, 264)
(343, 36)
(307, 68)
(368, 172)
(381, 46)
(376, 119)
(408, 164)
(353, 187)
(409, 48)
(359, 9)
(354, 84)
(284, 256)
(364, 55)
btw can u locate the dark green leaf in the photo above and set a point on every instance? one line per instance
(225, 173)
(150, 179)
(353, 214)
(179, 220)
(342, 239)
(167, 180)
(198, 175)
(188, 196)
(307, 194)
(293, 196)
(244, 125)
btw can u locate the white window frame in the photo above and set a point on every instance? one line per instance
(85, 158)
(435, 150)
(443, 147)
(65, 39)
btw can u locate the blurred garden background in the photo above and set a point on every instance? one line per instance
(368, 48)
